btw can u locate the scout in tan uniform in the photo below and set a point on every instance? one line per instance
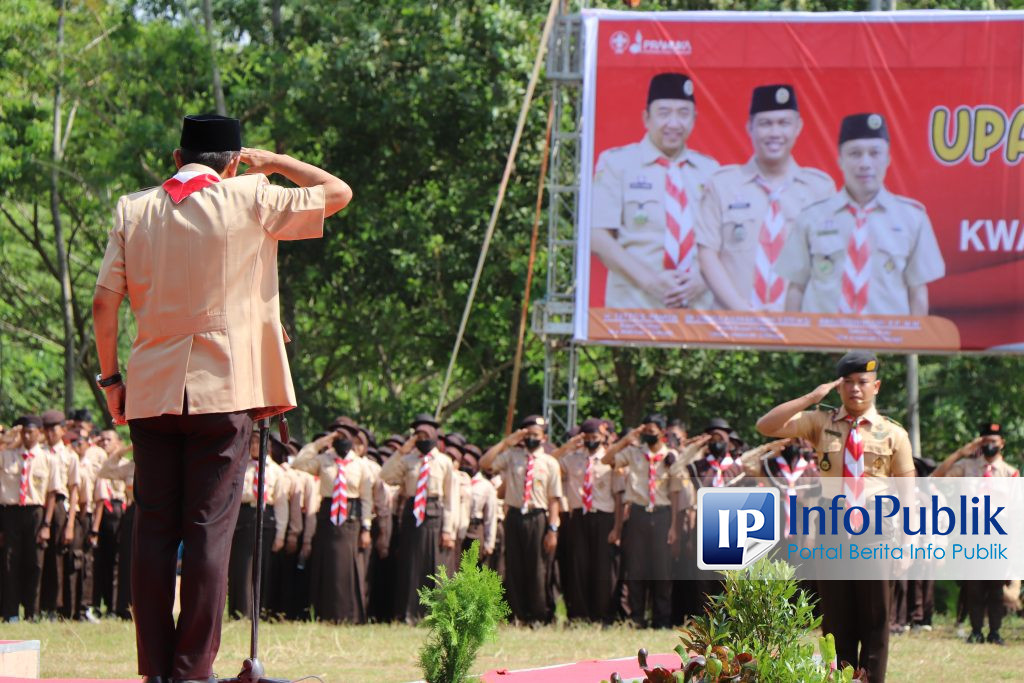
(79, 583)
(483, 509)
(342, 526)
(748, 209)
(429, 516)
(644, 202)
(855, 612)
(58, 569)
(863, 250)
(121, 475)
(982, 457)
(589, 490)
(533, 487)
(29, 479)
(243, 546)
(652, 498)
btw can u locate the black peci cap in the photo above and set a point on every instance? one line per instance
(990, 429)
(425, 419)
(670, 86)
(777, 97)
(211, 133)
(863, 127)
(534, 421)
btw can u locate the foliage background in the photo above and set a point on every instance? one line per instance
(413, 103)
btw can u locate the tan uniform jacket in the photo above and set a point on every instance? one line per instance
(465, 503)
(44, 475)
(574, 472)
(975, 467)
(484, 506)
(68, 476)
(902, 245)
(667, 479)
(547, 478)
(201, 277)
(629, 198)
(359, 477)
(276, 490)
(119, 471)
(404, 471)
(734, 206)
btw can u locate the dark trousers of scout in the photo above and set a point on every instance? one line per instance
(857, 614)
(105, 562)
(525, 567)
(52, 582)
(23, 559)
(78, 570)
(123, 583)
(590, 576)
(922, 601)
(188, 487)
(419, 553)
(985, 597)
(336, 566)
(898, 603)
(381, 574)
(648, 558)
(243, 547)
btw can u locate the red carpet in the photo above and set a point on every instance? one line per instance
(592, 671)
(8, 679)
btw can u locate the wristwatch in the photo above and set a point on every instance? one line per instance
(553, 528)
(367, 525)
(107, 382)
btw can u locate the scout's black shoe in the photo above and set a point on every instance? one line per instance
(976, 637)
(996, 639)
(156, 679)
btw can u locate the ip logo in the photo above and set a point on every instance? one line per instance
(735, 526)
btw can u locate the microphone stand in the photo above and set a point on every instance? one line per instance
(252, 669)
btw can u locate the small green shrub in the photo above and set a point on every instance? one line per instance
(463, 612)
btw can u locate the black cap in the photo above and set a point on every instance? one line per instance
(455, 439)
(857, 361)
(472, 449)
(591, 426)
(655, 418)
(29, 422)
(425, 419)
(863, 127)
(777, 97)
(534, 421)
(990, 429)
(670, 86)
(718, 423)
(211, 133)
(52, 418)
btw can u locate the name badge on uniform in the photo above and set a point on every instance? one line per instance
(739, 233)
(834, 433)
(823, 233)
(640, 184)
(739, 205)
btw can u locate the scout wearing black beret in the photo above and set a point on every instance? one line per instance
(777, 97)
(211, 133)
(534, 421)
(425, 419)
(857, 361)
(29, 422)
(591, 426)
(718, 423)
(990, 429)
(670, 86)
(863, 127)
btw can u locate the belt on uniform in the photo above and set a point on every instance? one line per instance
(355, 508)
(529, 513)
(476, 520)
(645, 508)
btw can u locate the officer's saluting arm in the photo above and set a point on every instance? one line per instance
(337, 193)
(946, 468)
(487, 462)
(782, 421)
(613, 450)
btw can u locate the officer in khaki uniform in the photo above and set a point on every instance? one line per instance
(645, 197)
(197, 259)
(533, 489)
(855, 612)
(982, 457)
(748, 209)
(863, 250)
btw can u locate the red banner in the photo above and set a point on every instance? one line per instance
(719, 207)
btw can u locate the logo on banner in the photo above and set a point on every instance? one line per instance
(621, 43)
(736, 526)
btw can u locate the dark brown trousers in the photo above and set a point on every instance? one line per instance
(857, 614)
(22, 557)
(188, 483)
(106, 556)
(526, 565)
(985, 597)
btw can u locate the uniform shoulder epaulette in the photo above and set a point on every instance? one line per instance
(889, 419)
(913, 202)
(139, 193)
(704, 158)
(818, 174)
(818, 204)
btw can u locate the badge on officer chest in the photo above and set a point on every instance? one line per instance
(739, 232)
(890, 266)
(640, 218)
(640, 183)
(824, 465)
(826, 266)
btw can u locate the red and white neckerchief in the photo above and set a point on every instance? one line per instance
(857, 266)
(528, 483)
(588, 485)
(256, 485)
(853, 471)
(791, 475)
(184, 183)
(339, 495)
(652, 478)
(26, 462)
(679, 248)
(769, 286)
(719, 466)
(108, 505)
(989, 469)
(419, 502)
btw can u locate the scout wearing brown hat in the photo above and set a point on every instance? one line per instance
(533, 489)
(209, 357)
(861, 446)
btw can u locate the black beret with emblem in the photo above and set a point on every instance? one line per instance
(670, 86)
(655, 418)
(990, 429)
(533, 421)
(778, 97)
(863, 127)
(211, 133)
(857, 361)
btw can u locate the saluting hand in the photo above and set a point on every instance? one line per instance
(259, 161)
(819, 394)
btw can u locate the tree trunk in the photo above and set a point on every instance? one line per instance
(218, 89)
(58, 226)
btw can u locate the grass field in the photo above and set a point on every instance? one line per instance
(388, 653)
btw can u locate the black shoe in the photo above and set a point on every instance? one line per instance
(155, 679)
(976, 637)
(996, 639)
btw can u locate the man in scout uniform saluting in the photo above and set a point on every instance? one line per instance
(645, 197)
(748, 209)
(855, 443)
(197, 259)
(863, 250)
(982, 457)
(533, 489)
(652, 495)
